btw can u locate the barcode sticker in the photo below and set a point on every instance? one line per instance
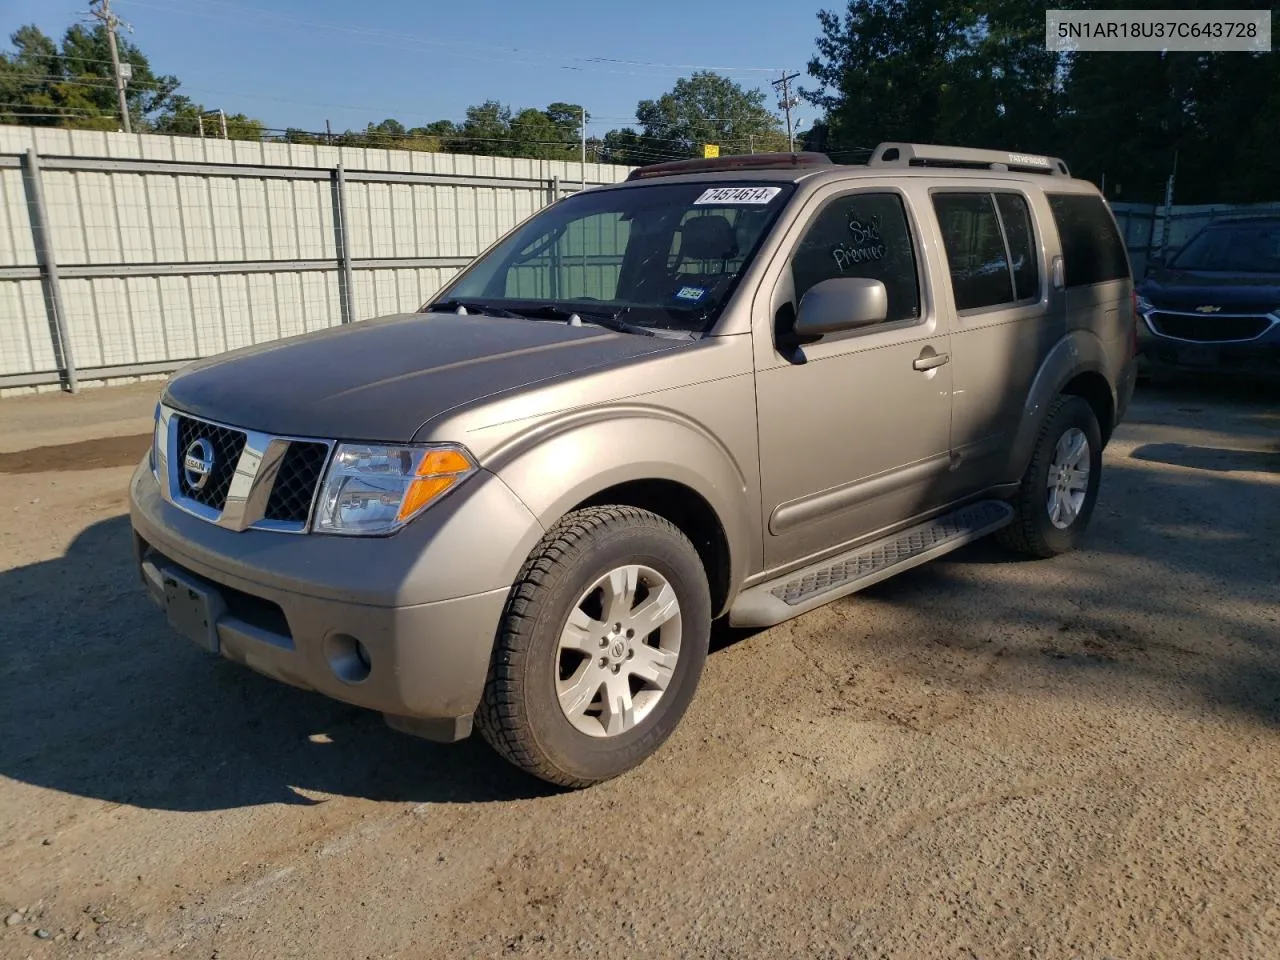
(738, 195)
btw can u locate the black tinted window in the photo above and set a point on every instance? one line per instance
(975, 249)
(1092, 250)
(862, 235)
(1021, 238)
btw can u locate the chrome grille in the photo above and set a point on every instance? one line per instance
(296, 482)
(255, 480)
(1209, 328)
(227, 445)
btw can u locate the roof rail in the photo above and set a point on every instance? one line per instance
(965, 158)
(741, 161)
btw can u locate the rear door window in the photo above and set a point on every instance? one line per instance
(976, 252)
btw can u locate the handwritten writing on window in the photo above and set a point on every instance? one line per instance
(864, 244)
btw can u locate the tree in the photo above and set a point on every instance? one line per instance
(486, 130)
(625, 147)
(700, 109)
(185, 117)
(72, 85)
(976, 73)
(492, 128)
(898, 70)
(26, 91)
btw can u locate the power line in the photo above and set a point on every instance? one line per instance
(786, 102)
(680, 66)
(379, 37)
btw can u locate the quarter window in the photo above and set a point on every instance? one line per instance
(1092, 250)
(862, 235)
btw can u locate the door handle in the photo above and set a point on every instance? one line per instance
(930, 361)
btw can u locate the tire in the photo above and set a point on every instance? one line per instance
(1034, 531)
(533, 711)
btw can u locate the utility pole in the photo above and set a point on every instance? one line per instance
(786, 102)
(584, 148)
(1168, 207)
(101, 10)
(328, 132)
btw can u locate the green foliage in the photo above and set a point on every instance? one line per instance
(71, 85)
(976, 73)
(708, 108)
(968, 72)
(184, 117)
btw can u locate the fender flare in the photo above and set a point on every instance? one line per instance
(1080, 351)
(563, 461)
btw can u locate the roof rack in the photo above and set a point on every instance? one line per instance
(741, 161)
(964, 158)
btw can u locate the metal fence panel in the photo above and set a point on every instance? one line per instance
(173, 248)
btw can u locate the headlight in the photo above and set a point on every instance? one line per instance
(1143, 304)
(375, 489)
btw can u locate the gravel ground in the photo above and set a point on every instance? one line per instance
(984, 757)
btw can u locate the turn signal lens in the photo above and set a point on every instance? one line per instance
(439, 470)
(375, 489)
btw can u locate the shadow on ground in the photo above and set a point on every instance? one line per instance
(1221, 459)
(99, 698)
(1174, 589)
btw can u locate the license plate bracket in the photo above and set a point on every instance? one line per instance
(1198, 356)
(193, 610)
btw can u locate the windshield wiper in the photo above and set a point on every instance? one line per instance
(603, 318)
(473, 306)
(611, 320)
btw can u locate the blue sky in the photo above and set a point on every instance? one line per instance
(291, 63)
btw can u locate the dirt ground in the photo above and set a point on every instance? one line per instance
(983, 758)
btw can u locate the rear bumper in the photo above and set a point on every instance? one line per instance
(282, 604)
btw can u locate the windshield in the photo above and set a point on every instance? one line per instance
(1244, 248)
(665, 256)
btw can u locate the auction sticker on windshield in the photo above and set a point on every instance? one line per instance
(738, 195)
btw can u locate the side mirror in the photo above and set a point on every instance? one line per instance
(839, 304)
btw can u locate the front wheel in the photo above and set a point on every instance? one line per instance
(600, 649)
(1056, 497)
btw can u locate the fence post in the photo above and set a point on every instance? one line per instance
(345, 286)
(37, 213)
(555, 188)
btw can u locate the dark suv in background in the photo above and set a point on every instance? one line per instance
(1214, 307)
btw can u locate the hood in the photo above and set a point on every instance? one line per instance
(383, 379)
(1171, 289)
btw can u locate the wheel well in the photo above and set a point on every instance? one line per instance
(692, 514)
(1094, 390)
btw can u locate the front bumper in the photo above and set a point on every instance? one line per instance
(403, 624)
(1258, 358)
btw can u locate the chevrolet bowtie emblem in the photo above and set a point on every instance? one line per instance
(1207, 309)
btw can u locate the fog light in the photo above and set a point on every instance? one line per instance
(348, 658)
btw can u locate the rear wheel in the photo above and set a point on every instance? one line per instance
(1056, 497)
(601, 647)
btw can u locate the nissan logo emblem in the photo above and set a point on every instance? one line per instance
(197, 464)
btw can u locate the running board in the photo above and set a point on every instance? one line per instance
(802, 590)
